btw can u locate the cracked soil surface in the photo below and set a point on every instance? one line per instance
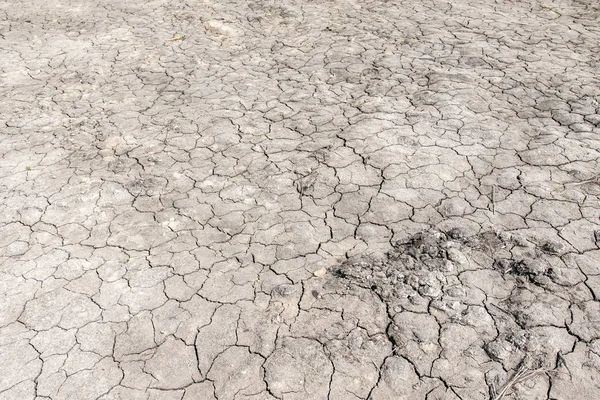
(303, 199)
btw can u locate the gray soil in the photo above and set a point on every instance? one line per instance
(303, 199)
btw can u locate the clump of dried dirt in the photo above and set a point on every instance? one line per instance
(425, 267)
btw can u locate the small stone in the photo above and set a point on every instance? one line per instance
(498, 351)
(457, 257)
(430, 291)
(320, 272)
(448, 266)
(521, 242)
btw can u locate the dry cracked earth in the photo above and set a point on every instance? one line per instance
(303, 199)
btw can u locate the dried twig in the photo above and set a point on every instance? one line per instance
(595, 179)
(523, 374)
(180, 37)
(306, 182)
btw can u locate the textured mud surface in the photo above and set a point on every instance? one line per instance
(464, 311)
(299, 199)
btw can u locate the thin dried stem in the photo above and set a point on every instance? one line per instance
(494, 200)
(523, 374)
